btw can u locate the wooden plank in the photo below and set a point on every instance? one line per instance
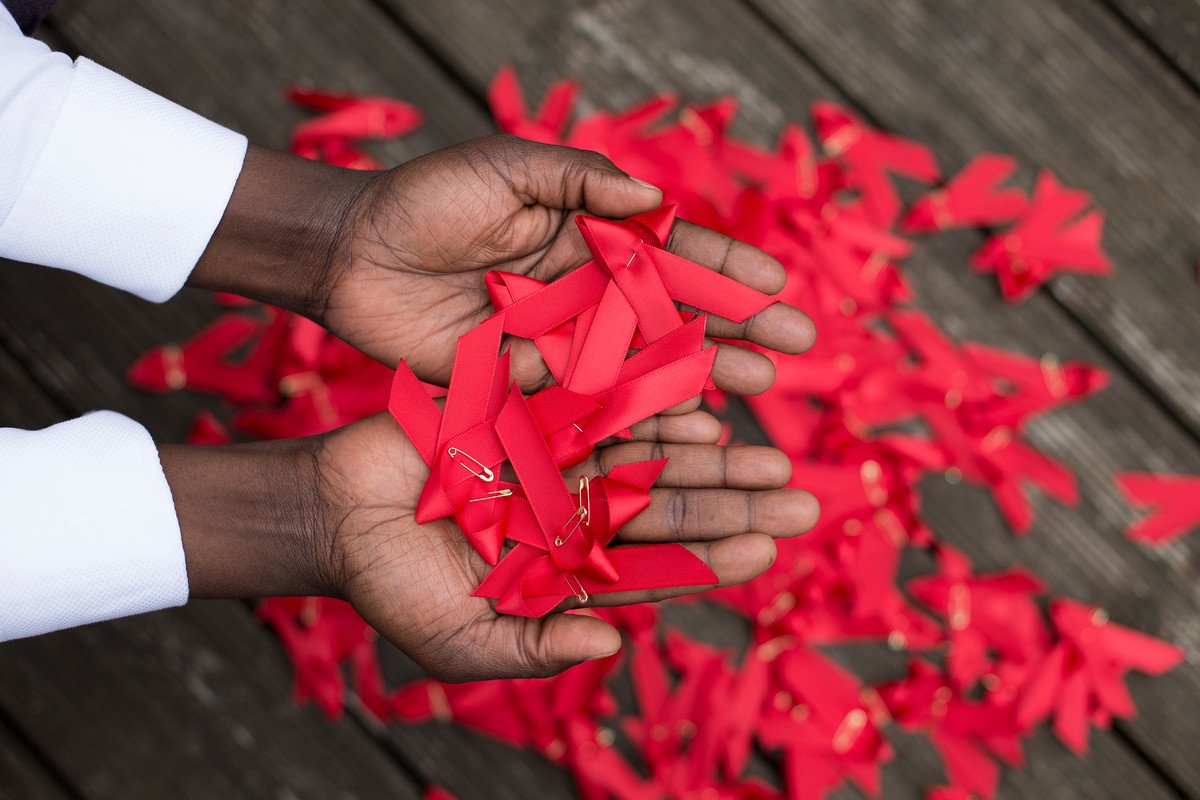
(23, 775)
(625, 51)
(231, 60)
(23, 404)
(1057, 84)
(1171, 26)
(77, 337)
(471, 765)
(187, 703)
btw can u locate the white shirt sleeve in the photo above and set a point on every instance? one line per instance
(102, 177)
(88, 530)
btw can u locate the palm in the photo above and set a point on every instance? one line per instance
(419, 241)
(413, 582)
(433, 230)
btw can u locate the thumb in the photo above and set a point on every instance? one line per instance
(553, 643)
(567, 178)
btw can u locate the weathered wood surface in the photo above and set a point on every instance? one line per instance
(1060, 85)
(188, 703)
(23, 776)
(1170, 27)
(229, 60)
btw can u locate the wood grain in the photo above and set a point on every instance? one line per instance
(22, 775)
(1060, 85)
(1171, 26)
(187, 703)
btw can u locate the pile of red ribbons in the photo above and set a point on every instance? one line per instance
(884, 398)
(584, 325)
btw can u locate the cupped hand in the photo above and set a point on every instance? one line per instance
(406, 276)
(413, 582)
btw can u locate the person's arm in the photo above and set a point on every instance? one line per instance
(335, 515)
(102, 177)
(249, 515)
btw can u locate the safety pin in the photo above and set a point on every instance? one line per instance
(585, 491)
(581, 516)
(487, 476)
(580, 594)
(573, 522)
(492, 495)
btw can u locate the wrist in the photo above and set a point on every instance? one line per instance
(251, 518)
(282, 231)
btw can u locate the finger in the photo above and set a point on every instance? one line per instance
(685, 407)
(696, 427)
(742, 371)
(780, 327)
(699, 466)
(735, 559)
(538, 648)
(568, 178)
(743, 262)
(701, 515)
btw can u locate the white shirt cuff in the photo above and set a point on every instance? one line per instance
(128, 188)
(88, 530)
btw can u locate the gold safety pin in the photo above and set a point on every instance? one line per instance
(492, 495)
(570, 526)
(581, 515)
(580, 594)
(585, 498)
(487, 476)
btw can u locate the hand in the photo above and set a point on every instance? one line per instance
(394, 262)
(334, 515)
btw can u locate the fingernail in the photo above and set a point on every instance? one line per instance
(599, 656)
(641, 182)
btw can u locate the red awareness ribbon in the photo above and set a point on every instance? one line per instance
(973, 197)
(346, 120)
(1173, 503)
(1053, 234)
(1080, 680)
